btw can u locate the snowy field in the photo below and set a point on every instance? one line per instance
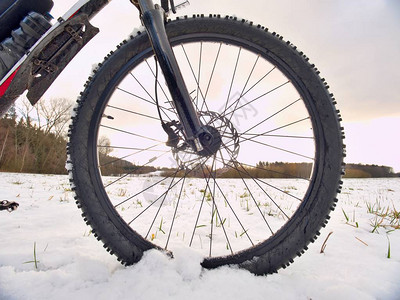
(72, 264)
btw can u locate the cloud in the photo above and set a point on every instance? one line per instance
(354, 43)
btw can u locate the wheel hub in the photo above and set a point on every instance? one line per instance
(210, 141)
(221, 140)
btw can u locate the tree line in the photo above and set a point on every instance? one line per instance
(303, 170)
(267, 170)
(287, 170)
(369, 171)
(33, 140)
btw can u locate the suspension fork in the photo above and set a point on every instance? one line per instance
(152, 17)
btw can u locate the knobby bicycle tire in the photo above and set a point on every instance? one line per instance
(284, 243)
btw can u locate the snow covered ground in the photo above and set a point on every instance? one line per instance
(72, 264)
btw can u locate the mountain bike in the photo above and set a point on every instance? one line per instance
(208, 132)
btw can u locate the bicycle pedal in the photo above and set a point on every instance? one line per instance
(8, 205)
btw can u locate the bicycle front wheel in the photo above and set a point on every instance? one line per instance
(256, 197)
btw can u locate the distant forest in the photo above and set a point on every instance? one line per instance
(30, 144)
(302, 170)
(369, 171)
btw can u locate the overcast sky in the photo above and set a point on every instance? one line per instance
(354, 43)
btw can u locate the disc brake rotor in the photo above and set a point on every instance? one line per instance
(228, 145)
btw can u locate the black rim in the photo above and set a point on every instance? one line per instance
(207, 165)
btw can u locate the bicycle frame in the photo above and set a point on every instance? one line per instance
(48, 57)
(36, 74)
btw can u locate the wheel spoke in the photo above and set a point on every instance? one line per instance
(132, 112)
(266, 183)
(251, 88)
(176, 209)
(163, 109)
(130, 133)
(232, 80)
(214, 211)
(255, 180)
(257, 98)
(283, 175)
(284, 126)
(253, 137)
(166, 192)
(241, 95)
(163, 195)
(129, 155)
(279, 136)
(201, 207)
(131, 148)
(197, 80)
(236, 102)
(212, 72)
(144, 190)
(143, 88)
(270, 117)
(131, 172)
(158, 82)
(255, 202)
(251, 194)
(278, 148)
(231, 208)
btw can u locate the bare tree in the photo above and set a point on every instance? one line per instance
(4, 145)
(104, 145)
(25, 109)
(46, 121)
(55, 113)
